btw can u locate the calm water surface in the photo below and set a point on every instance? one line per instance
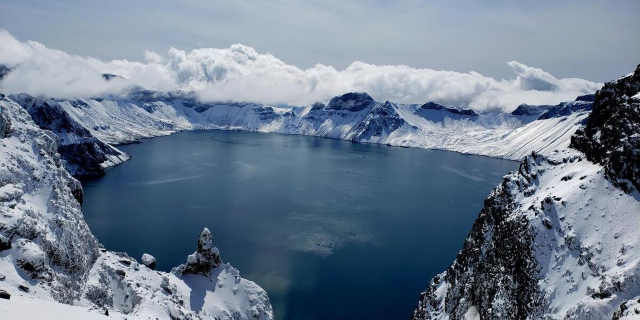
(330, 229)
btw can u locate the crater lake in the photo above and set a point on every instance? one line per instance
(329, 228)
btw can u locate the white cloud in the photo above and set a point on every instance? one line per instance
(239, 73)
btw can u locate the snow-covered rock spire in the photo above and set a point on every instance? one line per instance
(203, 260)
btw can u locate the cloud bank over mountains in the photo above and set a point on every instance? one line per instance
(239, 73)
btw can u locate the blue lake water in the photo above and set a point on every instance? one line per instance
(330, 229)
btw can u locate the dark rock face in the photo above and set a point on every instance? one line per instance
(530, 110)
(149, 261)
(151, 107)
(4, 295)
(317, 106)
(587, 97)
(109, 76)
(582, 103)
(611, 136)
(265, 113)
(145, 95)
(149, 99)
(197, 106)
(495, 266)
(352, 101)
(203, 260)
(5, 125)
(436, 106)
(82, 152)
(76, 190)
(4, 70)
(5, 243)
(383, 119)
(566, 108)
(77, 103)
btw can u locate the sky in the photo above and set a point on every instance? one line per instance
(360, 44)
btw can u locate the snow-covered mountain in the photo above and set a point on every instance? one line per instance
(559, 238)
(84, 154)
(352, 116)
(556, 240)
(49, 259)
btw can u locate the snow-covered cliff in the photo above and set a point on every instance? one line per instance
(85, 155)
(559, 238)
(48, 256)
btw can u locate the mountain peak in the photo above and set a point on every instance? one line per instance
(436, 106)
(352, 101)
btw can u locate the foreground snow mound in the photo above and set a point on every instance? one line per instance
(206, 288)
(49, 256)
(559, 238)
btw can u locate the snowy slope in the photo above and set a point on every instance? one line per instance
(23, 307)
(559, 238)
(48, 253)
(85, 155)
(511, 136)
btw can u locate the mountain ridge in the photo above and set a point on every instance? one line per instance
(558, 239)
(353, 116)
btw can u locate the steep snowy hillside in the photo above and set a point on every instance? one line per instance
(84, 154)
(49, 256)
(352, 116)
(559, 238)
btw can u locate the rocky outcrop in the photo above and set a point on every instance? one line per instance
(4, 71)
(558, 239)
(566, 108)
(110, 76)
(611, 136)
(5, 125)
(542, 112)
(436, 106)
(149, 261)
(530, 110)
(352, 101)
(380, 122)
(206, 258)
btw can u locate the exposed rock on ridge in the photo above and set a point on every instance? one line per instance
(558, 239)
(611, 136)
(203, 260)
